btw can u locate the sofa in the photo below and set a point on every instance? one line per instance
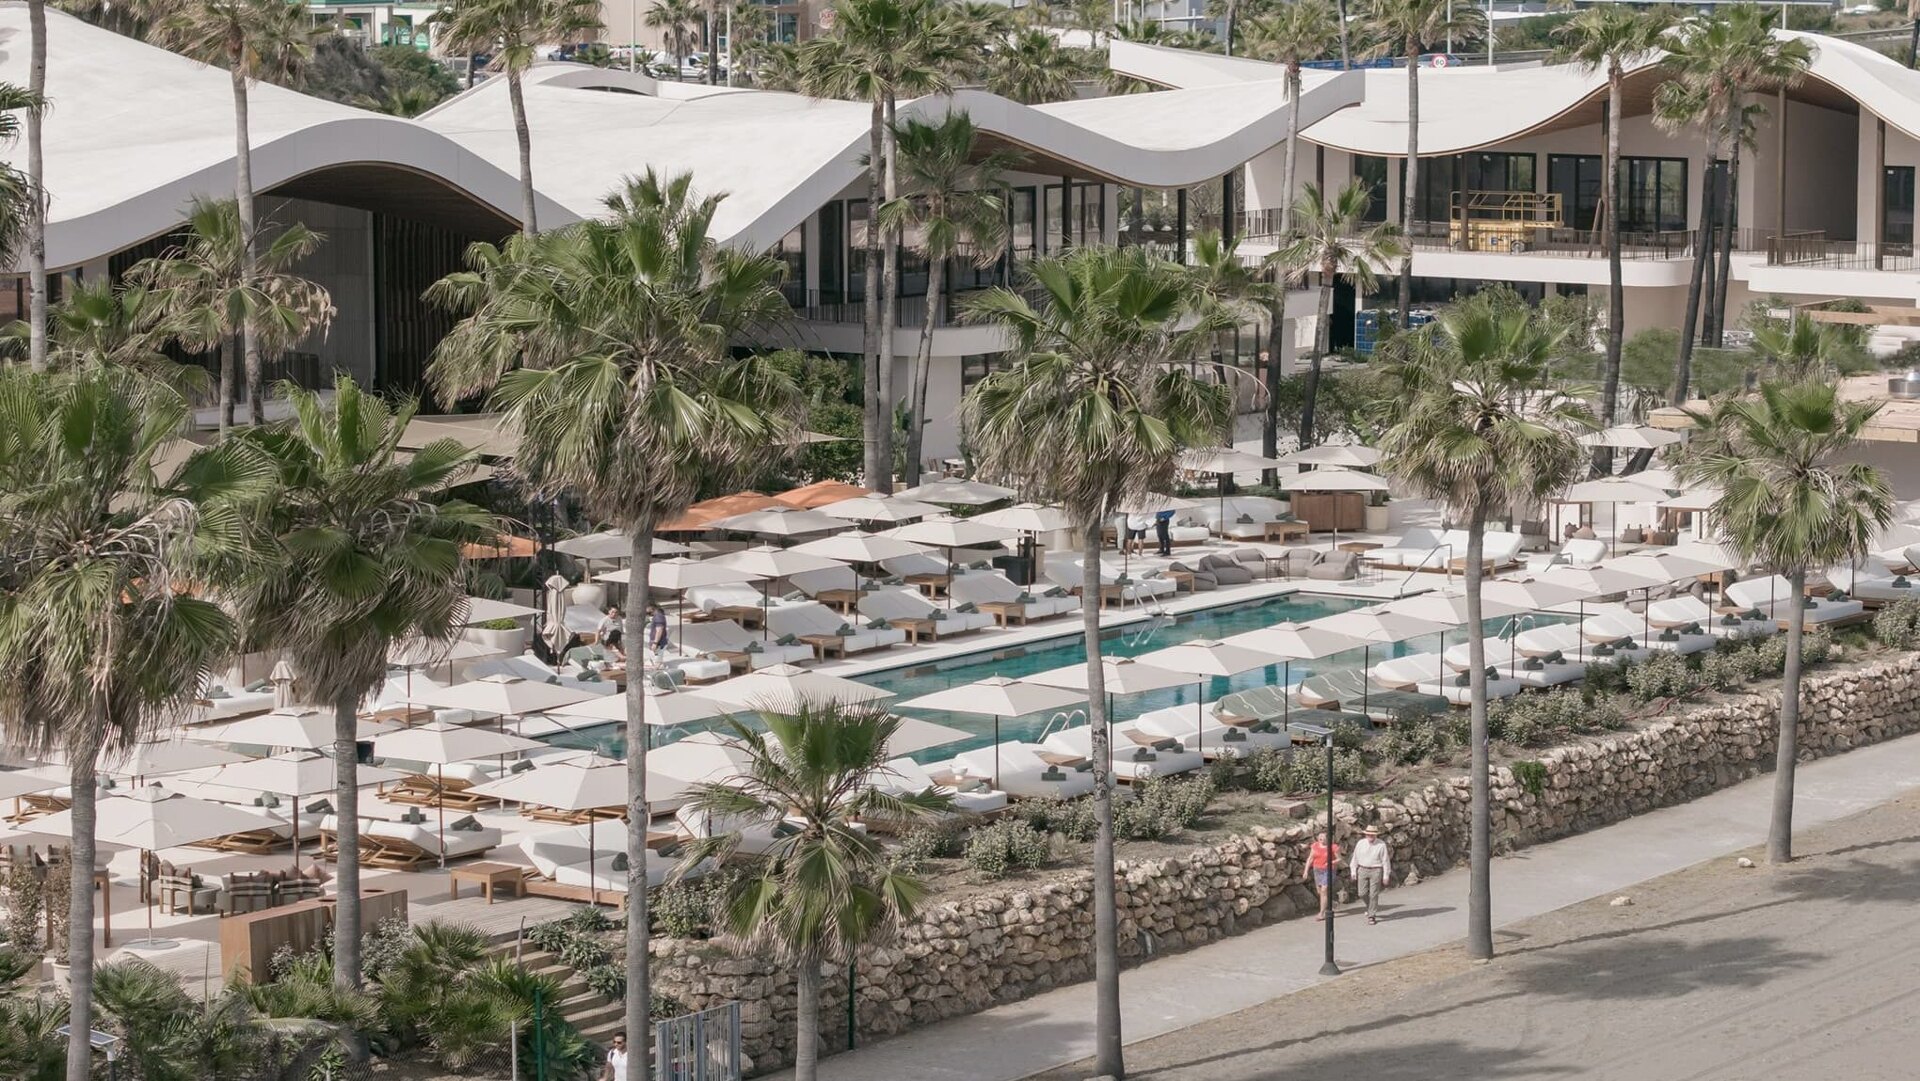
(1335, 567)
(1225, 569)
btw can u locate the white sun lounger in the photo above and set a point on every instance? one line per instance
(1406, 673)
(996, 589)
(1772, 594)
(1023, 773)
(1614, 624)
(1548, 674)
(1455, 690)
(1133, 759)
(905, 777)
(1879, 586)
(726, 636)
(1689, 611)
(1577, 552)
(1212, 737)
(813, 617)
(911, 604)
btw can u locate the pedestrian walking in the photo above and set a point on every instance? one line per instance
(1136, 542)
(1163, 531)
(1372, 866)
(1323, 867)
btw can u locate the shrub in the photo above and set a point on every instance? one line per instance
(1898, 624)
(685, 908)
(1162, 807)
(1411, 741)
(1308, 773)
(1006, 846)
(1604, 677)
(1663, 675)
(923, 843)
(1605, 713)
(549, 936)
(1348, 736)
(608, 979)
(1531, 775)
(1267, 770)
(502, 624)
(1722, 671)
(1072, 819)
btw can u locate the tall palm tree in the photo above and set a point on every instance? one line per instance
(1476, 419)
(880, 51)
(1404, 28)
(1712, 59)
(36, 183)
(100, 322)
(1095, 405)
(1803, 349)
(950, 208)
(1292, 34)
(214, 281)
(608, 344)
(1611, 38)
(1333, 237)
(1031, 67)
(675, 19)
(1763, 63)
(20, 198)
(253, 40)
(1220, 278)
(827, 889)
(513, 31)
(101, 638)
(363, 557)
(1790, 503)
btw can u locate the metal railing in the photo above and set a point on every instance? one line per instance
(1813, 248)
(702, 1046)
(908, 311)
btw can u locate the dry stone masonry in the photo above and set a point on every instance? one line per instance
(963, 956)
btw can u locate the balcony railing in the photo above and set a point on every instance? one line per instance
(1813, 248)
(909, 311)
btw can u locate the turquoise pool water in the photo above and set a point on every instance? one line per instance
(911, 681)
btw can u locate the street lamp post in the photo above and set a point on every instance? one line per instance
(1329, 967)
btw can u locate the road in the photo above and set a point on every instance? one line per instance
(1712, 973)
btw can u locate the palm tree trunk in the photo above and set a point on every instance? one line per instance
(870, 336)
(1293, 151)
(806, 1020)
(1787, 746)
(1616, 291)
(889, 307)
(225, 355)
(1107, 1057)
(922, 365)
(1270, 423)
(1690, 318)
(346, 812)
(1729, 217)
(1412, 180)
(250, 259)
(1232, 17)
(1322, 342)
(36, 184)
(639, 974)
(80, 912)
(523, 135)
(713, 52)
(1346, 54)
(1480, 857)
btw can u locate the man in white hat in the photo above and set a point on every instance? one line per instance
(1372, 866)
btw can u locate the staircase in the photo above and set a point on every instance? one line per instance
(596, 1016)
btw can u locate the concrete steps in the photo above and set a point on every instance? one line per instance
(596, 1016)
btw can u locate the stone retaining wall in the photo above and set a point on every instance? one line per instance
(964, 956)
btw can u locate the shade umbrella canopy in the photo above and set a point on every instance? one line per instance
(1155, 502)
(1124, 675)
(153, 818)
(1703, 497)
(611, 544)
(1665, 479)
(1614, 490)
(914, 735)
(482, 609)
(152, 758)
(1334, 480)
(697, 516)
(1600, 581)
(1339, 454)
(293, 773)
(879, 508)
(953, 533)
(303, 729)
(1534, 593)
(701, 758)
(785, 688)
(1208, 658)
(779, 522)
(1671, 566)
(957, 493)
(1632, 437)
(501, 695)
(504, 546)
(1718, 556)
(1295, 641)
(821, 493)
(767, 561)
(658, 707)
(679, 574)
(1377, 625)
(1027, 518)
(440, 744)
(1449, 608)
(17, 783)
(998, 696)
(1224, 460)
(424, 652)
(859, 546)
(573, 786)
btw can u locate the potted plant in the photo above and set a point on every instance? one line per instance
(505, 635)
(1378, 516)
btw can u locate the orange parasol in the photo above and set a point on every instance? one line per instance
(712, 510)
(820, 493)
(505, 546)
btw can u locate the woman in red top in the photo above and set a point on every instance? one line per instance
(1322, 870)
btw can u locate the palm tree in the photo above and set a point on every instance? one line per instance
(19, 192)
(215, 281)
(364, 557)
(101, 638)
(1334, 238)
(1220, 278)
(36, 183)
(1762, 64)
(609, 346)
(1403, 28)
(1803, 349)
(253, 40)
(675, 19)
(1476, 420)
(1093, 409)
(1713, 60)
(1611, 38)
(1292, 34)
(827, 889)
(1790, 503)
(513, 31)
(118, 325)
(950, 208)
(1031, 66)
(879, 51)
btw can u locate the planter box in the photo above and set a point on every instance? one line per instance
(1379, 519)
(512, 643)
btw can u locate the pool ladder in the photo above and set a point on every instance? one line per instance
(1066, 718)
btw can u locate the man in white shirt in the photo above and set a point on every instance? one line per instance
(616, 1060)
(1372, 865)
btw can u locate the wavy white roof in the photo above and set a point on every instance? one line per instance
(134, 133)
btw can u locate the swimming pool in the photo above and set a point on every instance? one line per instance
(912, 681)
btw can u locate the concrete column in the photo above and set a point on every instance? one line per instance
(1780, 168)
(1879, 191)
(1227, 222)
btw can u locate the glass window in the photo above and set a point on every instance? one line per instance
(856, 251)
(1024, 237)
(833, 252)
(792, 250)
(976, 366)
(1896, 208)
(1575, 178)
(1442, 179)
(1372, 172)
(1653, 197)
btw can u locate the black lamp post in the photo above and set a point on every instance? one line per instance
(1329, 967)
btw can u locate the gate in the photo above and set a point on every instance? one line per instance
(703, 1046)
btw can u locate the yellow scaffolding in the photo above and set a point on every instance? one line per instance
(1502, 220)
